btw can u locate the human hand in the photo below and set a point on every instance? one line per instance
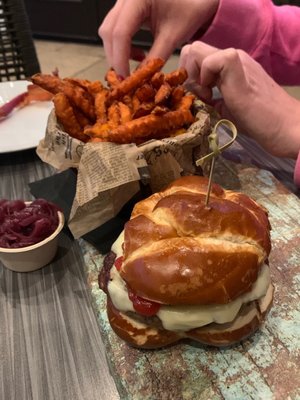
(251, 99)
(172, 23)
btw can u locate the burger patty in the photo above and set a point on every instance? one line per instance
(104, 274)
(104, 278)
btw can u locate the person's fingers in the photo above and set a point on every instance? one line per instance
(163, 46)
(106, 29)
(192, 57)
(203, 93)
(221, 68)
(208, 67)
(118, 30)
(184, 55)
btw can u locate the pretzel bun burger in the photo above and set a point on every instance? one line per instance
(181, 269)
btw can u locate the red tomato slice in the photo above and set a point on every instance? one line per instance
(143, 306)
(119, 262)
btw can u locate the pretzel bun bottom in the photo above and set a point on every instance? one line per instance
(136, 334)
(248, 320)
(145, 336)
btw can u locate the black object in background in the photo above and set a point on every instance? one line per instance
(290, 2)
(18, 58)
(74, 20)
(60, 189)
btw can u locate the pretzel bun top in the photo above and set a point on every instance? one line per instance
(177, 251)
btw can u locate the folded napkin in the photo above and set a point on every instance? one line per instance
(60, 189)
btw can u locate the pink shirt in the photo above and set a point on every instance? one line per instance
(271, 35)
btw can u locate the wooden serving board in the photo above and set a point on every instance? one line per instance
(267, 365)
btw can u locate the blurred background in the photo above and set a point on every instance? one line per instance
(79, 19)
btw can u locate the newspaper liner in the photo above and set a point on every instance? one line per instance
(110, 174)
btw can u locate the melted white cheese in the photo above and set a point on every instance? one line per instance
(183, 318)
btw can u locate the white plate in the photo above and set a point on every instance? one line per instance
(25, 127)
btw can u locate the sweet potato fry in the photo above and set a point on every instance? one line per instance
(143, 109)
(80, 98)
(147, 104)
(176, 96)
(66, 117)
(118, 113)
(160, 110)
(176, 77)
(186, 102)
(125, 113)
(51, 83)
(100, 108)
(83, 83)
(112, 78)
(145, 93)
(81, 118)
(157, 79)
(98, 130)
(163, 93)
(96, 140)
(135, 103)
(76, 94)
(113, 114)
(144, 127)
(128, 101)
(144, 72)
(94, 88)
(177, 132)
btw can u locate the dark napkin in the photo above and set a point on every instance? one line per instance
(60, 189)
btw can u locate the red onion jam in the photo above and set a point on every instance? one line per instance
(23, 224)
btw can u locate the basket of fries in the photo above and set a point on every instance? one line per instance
(145, 129)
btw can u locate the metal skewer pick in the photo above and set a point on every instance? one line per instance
(216, 150)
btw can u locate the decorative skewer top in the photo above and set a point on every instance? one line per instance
(213, 140)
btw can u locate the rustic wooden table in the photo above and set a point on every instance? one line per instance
(54, 336)
(50, 344)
